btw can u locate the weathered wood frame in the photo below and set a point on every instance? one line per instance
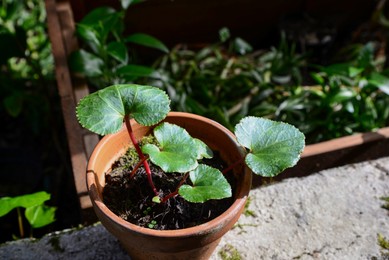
(81, 142)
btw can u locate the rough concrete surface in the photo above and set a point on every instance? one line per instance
(333, 214)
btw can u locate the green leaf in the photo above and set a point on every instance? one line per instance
(274, 146)
(203, 150)
(103, 111)
(317, 78)
(177, 151)
(40, 215)
(93, 17)
(148, 41)
(224, 34)
(208, 183)
(89, 35)
(242, 47)
(7, 203)
(118, 51)
(380, 81)
(86, 63)
(132, 70)
(343, 95)
(337, 69)
(14, 103)
(101, 21)
(353, 71)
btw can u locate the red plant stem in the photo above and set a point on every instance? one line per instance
(229, 168)
(137, 166)
(140, 154)
(171, 195)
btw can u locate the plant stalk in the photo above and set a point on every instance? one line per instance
(171, 195)
(229, 168)
(142, 157)
(20, 222)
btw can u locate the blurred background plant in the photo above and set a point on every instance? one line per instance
(107, 56)
(36, 212)
(33, 146)
(228, 80)
(221, 80)
(26, 62)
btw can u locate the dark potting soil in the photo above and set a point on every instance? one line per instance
(131, 198)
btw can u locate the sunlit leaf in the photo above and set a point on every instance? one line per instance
(207, 183)
(380, 81)
(177, 151)
(203, 150)
(103, 111)
(25, 201)
(40, 215)
(274, 146)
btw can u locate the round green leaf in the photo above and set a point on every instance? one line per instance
(177, 151)
(40, 215)
(203, 150)
(274, 146)
(7, 203)
(208, 183)
(103, 111)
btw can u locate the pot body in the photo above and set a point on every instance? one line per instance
(190, 243)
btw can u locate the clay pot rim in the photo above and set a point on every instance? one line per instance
(204, 228)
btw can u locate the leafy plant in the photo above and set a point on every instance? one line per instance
(37, 214)
(26, 62)
(349, 97)
(105, 57)
(271, 146)
(222, 80)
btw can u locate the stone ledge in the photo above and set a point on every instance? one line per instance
(333, 214)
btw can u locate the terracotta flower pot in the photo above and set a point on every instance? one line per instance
(190, 243)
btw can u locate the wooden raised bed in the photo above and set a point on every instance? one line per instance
(61, 25)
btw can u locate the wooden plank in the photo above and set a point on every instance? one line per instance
(345, 142)
(61, 32)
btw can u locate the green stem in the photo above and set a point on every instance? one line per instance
(142, 157)
(20, 222)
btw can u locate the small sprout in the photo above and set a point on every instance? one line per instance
(156, 199)
(147, 211)
(152, 224)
